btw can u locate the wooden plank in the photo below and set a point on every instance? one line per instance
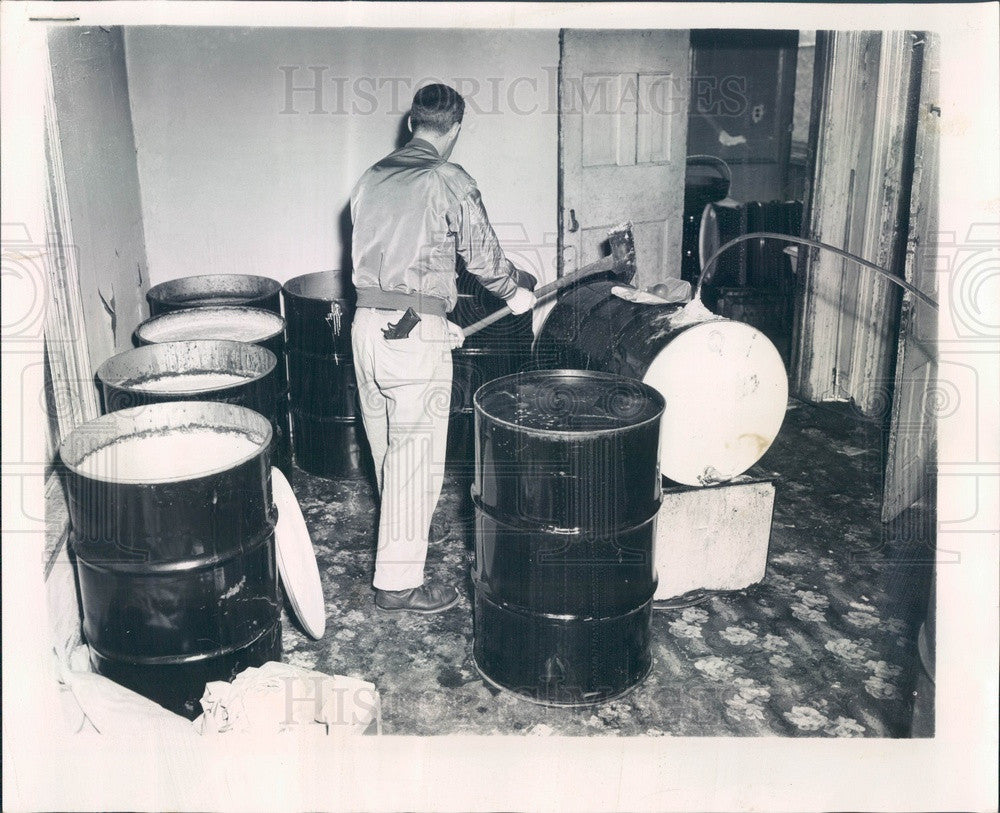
(66, 339)
(855, 211)
(846, 332)
(845, 112)
(873, 345)
(912, 437)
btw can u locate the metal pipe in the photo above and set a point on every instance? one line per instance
(706, 275)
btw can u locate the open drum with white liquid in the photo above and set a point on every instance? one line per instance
(172, 527)
(203, 370)
(239, 324)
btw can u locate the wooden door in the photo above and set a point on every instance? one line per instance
(623, 109)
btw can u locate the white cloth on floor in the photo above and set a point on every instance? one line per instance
(280, 697)
(116, 711)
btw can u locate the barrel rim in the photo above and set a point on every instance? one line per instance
(490, 351)
(652, 393)
(270, 288)
(122, 384)
(290, 292)
(241, 419)
(199, 313)
(571, 618)
(541, 339)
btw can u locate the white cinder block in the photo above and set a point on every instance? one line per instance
(713, 538)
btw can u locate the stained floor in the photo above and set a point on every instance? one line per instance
(824, 646)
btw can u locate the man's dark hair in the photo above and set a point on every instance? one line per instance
(436, 108)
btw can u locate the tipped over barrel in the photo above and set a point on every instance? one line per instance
(724, 382)
(566, 493)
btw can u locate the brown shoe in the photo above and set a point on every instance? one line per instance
(426, 599)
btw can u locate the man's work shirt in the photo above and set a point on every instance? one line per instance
(413, 213)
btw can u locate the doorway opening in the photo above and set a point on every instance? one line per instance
(747, 168)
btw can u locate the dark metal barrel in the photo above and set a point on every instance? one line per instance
(214, 290)
(231, 323)
(207, 370)
(323, 299)
(327, 432)
(472, 367)
(724, 382)
(503, 348)
(172, 527)
(566, 493)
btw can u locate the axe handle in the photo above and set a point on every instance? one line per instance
(602, 265)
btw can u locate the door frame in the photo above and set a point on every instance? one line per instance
(65, 326)
(858, 196)
(910, 470)
(560, 163)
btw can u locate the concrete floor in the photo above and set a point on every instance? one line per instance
(824, 646)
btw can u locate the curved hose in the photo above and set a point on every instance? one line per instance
(706, 269)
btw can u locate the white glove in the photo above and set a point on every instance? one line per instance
(522, 301)
(456, 336)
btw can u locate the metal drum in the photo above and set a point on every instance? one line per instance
(566, 493)
(706, 181)
(328, 435)
(724, 382)
(172, 526)
(208, 290)
(503, 348)
(207, 370)
(324, 299)
(471, 368)
(719, 223)
(231, 323)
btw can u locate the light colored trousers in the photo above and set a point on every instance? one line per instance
(404, 386)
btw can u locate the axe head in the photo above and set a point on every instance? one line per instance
(622, 252)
